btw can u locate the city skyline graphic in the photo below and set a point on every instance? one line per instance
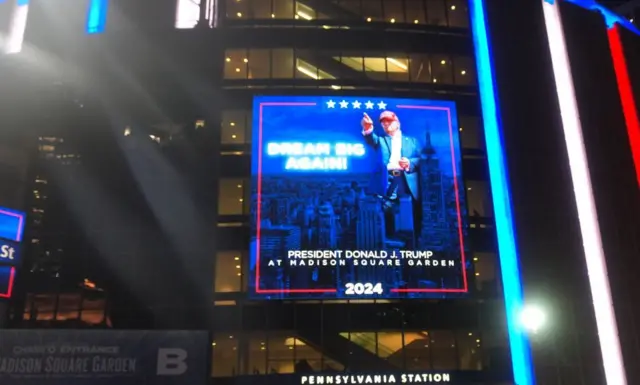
(313, 189)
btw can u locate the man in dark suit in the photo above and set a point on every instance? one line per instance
(396, 173)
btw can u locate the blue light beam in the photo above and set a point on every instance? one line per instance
(510, 271)
(97, 16)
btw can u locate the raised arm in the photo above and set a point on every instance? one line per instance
(370, 137)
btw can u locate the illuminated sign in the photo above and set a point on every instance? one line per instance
(11, 224)
(10, 253)
(7, 275)
(356, 197)
(385, 378)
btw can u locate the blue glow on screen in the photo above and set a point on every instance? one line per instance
(97, 16)
(510, 271)
(11, 224)
(340, 211)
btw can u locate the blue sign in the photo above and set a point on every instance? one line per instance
(7, 275)
(11, 224)
(74, 357)
(356, 197)
(10, 253)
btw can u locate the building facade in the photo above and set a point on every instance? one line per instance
(140, 210)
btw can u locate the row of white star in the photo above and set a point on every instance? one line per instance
(356, 104)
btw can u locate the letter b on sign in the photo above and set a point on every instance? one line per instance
(171, 362)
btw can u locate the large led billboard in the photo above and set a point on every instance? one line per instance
(356, 197)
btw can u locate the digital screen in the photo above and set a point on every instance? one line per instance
(7, 274)
(356, 197)
(11, 224)
(10, 253)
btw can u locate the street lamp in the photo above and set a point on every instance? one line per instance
(532, 318)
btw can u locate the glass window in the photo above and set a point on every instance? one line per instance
(282, 9)
(485, 267)
(260, 9)
(397, 68)
(281, 353)
(225, 356)
(352, 9)
(436, 14)
(415, 11)
(417, 350)
(235, 127)
(372, 10)
(259, 64)
(256, 353)
(441, 69)
(420, 68)
(235, 64)
(307, 357)
(464, 71)
(479, 199)
(229, 271)
(470, 135)
(444, 353)
(282, 63)
(468, 351)
(457, 13)
(231, 199)
(237, 9)
(393, 11)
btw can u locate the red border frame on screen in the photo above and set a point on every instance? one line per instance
(21, 218)
(626, 94)
(259, 206)
(12, 275)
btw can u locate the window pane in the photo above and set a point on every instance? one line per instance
(436, 12)
(457, 13)
(235, 66)
(470, 357)
(307, 358)
(235, 129)
(464, 73)
(470, 135)
(259, 64)
(282, 63)
(485, 266)
(225, 356)
(397, 68)
(257, 353)
(280, 352)
(479, 199)
(283, 9)
(420, 68)
(231, 199)
(417, 350)
(372, 10)
(260, 9)
(444, 354)
(237, 9)
(228, 277)
(393, 11)
(442, 69)
(415, 12)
